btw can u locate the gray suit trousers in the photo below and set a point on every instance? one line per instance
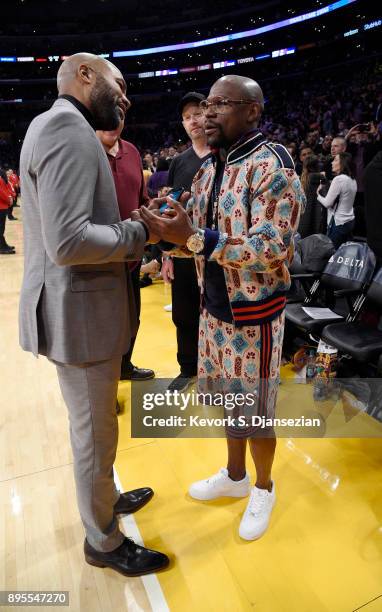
(90, 393)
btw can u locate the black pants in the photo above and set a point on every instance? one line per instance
(185, 313)
(10, 209)
(3, 218)
(126, 365)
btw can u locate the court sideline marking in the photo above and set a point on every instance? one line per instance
(150, 582)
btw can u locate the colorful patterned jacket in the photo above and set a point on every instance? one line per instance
(259, 206)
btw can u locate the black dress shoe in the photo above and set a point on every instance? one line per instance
(138, 374)
(12, 218)
(7, 251)
(129, 559)
(131, 501)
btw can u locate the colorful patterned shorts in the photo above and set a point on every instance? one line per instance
(241, 360)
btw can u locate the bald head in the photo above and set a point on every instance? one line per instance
(239, 105)
(70, 70)
(243, 87)
(98, 85)
(338, 145)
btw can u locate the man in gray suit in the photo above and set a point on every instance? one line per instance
(74, 306)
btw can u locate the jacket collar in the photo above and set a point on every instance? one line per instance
(79, 106)
(245, 146)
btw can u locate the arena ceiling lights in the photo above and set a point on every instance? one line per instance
(173, 71)
(228, 37)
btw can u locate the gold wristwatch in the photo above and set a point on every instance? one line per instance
(195, 242)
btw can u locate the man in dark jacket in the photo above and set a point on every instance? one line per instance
(373, 208)
(180, 271)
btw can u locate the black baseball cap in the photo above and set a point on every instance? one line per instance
(191, 96)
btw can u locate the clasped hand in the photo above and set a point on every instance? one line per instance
(173, 225)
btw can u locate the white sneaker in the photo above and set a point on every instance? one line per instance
(168, 308)
(219, 485)
(258, 512)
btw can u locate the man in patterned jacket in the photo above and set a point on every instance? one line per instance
(243, 212)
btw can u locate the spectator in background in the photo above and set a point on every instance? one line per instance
(125, 164)
(180, 271)
(159, 179)
(149, 159)
(172, 152)
(5, 203)
(342, 129)
(312, 141)
(304, 152)
(326, 145)
(15, 182)
(339, 200)
(313, 220)
(145, 171)
(12, 191)
(292, 148)
(338, 146)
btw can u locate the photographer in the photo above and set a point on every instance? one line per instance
(363, 143)
(340, 200)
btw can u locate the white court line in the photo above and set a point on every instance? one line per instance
(151, 583)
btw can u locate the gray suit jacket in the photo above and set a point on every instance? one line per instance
(74, 298)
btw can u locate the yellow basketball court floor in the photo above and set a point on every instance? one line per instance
(322, 552)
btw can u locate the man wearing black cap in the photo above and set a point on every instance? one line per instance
(180, 272)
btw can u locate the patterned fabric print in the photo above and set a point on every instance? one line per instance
(260, 204)
(266, 243)
(245, 361)
(263, 214)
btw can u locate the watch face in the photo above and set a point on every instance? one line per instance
(200, 244)
(195, 243)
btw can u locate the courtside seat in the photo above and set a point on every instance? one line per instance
(296, 315)
(311, 256)
(360, 341)
(346, 277)
(357, 339)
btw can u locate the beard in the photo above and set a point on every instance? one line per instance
(218, 139)
(104, 106)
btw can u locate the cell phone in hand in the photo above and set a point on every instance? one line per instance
(174, 194)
